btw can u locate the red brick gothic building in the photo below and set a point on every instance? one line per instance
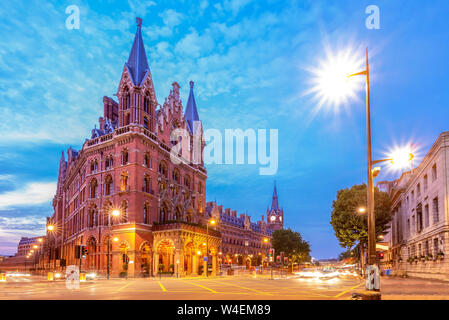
(127, 167)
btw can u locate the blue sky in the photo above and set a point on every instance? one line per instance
(250, 61)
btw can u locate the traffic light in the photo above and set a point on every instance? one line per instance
(84, 252)
(278, 258)
(381, 255)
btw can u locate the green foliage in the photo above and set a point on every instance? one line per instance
(292, 244)
(349, 225)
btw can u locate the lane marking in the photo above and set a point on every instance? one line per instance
(162, 287)
(241, 287)
(121, 288)
(346, 291)
(201, 286)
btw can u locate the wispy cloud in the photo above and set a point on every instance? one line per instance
(33, 193)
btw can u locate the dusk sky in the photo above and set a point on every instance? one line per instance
(251, 62)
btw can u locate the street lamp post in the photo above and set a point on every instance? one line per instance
(212, 222)
(372, 283)
(51, 229)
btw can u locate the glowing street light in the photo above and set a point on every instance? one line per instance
(116, 213)
(50, 227)
(401, 158)
(361, 210)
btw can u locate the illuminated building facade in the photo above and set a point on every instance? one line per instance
(127, 167)
(135, 197)
(419, 230)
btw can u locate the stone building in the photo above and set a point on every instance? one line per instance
(419, 230)
(243, 241)
(132, 166)
(135, 194)
(27, 244)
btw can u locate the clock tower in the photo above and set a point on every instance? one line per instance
(275, 215)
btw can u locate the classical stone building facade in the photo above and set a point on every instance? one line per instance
(135, 194)
(419, 230)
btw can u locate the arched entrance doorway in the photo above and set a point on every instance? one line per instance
(145, 258)
(189, 253)
(165, 256)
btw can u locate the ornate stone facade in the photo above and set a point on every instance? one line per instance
(419, 230)
(134, 195)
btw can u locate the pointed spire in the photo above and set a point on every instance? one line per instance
(137, 62)
(274, 202)
(191, 113)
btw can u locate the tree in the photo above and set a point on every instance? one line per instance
(292, 244)
(349, 225)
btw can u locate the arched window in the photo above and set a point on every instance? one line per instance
(187, 181)
(92, 217)
(125, 156)
(93, 166)
(93, 192)
(124, 181)
(127, 100)
(200, 187)
(175, 175)
(146, 104)
(163, 169)
(146, 213)
(147, 160)
(145, 123)
(108, 185)
(109, 162)
(124, 212)
(146, 184)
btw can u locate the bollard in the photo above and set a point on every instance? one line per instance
(50, 276)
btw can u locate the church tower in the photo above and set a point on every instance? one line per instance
(136, 95)
(275, 215)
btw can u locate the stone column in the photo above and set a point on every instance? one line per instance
(204, 267)
(214, 265)
(155, 264)
(194, 265)
(177, 263)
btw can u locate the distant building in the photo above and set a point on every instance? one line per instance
(243, 239)
(27, 244)
(419, 230)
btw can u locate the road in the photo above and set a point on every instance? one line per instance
(219, 288)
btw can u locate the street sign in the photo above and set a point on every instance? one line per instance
(205, 259)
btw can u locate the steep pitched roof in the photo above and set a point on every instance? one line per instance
(137, 62)
(191, 113)
(274, 202)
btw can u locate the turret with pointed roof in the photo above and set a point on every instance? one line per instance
(136, 95)
(191, 113)
(275, 215)
(137, 62)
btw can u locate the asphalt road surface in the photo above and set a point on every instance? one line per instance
(218, 288)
